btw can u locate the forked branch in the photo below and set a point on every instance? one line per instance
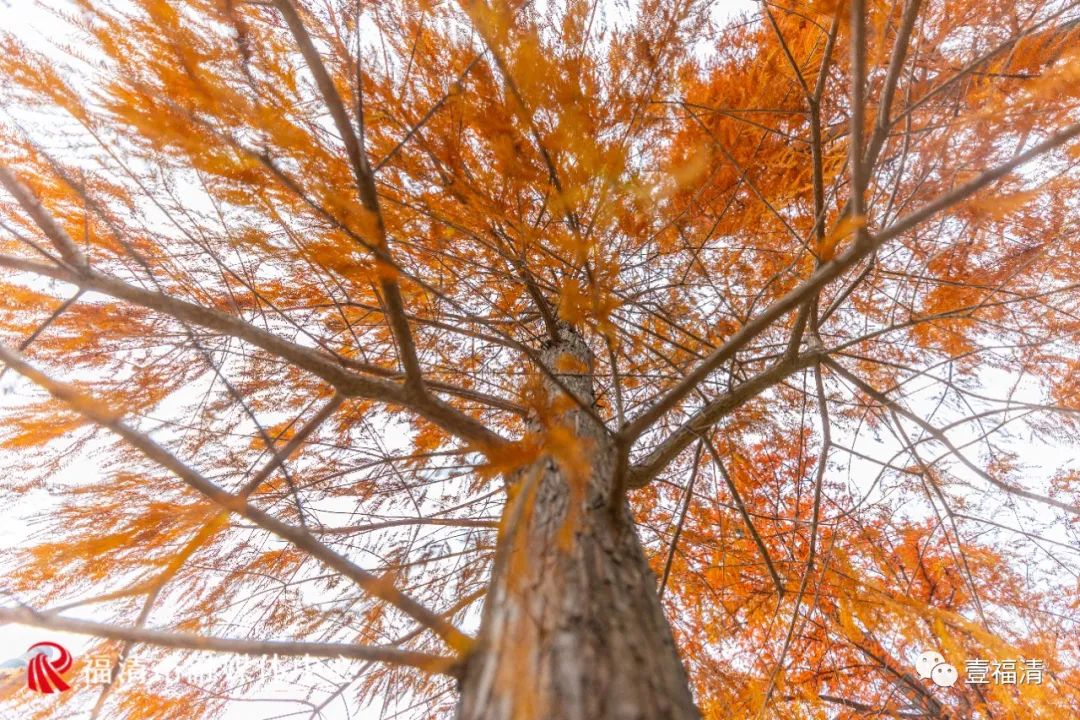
(96, 411)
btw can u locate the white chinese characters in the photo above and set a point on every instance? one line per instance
(1005, 672)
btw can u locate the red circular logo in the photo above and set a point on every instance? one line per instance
(43, 672)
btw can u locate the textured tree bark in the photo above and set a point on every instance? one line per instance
(572, 628)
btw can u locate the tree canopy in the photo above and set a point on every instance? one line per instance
(278, 279)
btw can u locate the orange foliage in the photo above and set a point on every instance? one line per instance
(401, 225)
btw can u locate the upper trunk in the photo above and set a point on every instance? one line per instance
(572, 628)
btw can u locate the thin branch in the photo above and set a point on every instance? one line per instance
(57, 235)
(294, 443)
(888, 90)
(454, 87)
(938, 435)
(858, 107)
(688, 495)
(60, 310)
(778, 582)
(787, 51)
(237, 646)
(403, 522)
(811, 555)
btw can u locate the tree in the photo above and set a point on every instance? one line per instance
(670, 340)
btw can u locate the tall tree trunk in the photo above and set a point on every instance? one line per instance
(573, 628)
